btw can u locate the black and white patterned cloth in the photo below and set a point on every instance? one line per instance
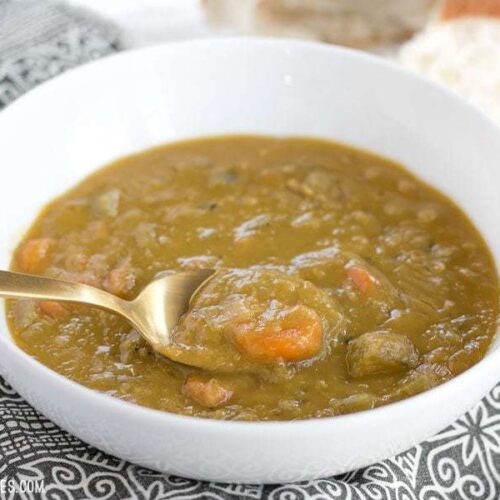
(39, 39)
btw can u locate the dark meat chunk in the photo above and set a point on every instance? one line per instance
(377, 353)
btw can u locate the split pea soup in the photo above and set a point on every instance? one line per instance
(344, 282)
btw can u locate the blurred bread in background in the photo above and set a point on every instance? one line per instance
(461, 49)
(356, 23)
(455, 42)
(235, 15)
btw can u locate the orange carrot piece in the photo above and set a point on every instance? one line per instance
(209, 393)
(33, 255)
(454, 9)
(295, 336)
(361, 278)
(54, 309)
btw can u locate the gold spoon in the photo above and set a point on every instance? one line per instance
(153, 313)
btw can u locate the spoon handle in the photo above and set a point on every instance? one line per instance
(22, 286)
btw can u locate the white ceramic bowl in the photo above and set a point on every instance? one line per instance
(66, 128)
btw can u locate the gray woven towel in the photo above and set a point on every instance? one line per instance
(39, 39)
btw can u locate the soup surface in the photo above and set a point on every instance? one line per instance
(344, 282)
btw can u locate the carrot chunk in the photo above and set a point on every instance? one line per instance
(361, 278)
(454, 9)
(54, 309)
(32, 257)
(209, 393)
(294, 335)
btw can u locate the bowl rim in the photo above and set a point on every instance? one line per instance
(201, 423)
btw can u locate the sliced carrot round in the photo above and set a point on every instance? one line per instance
(54, 309)
(362, 279)
(33, 255)
(294, 335)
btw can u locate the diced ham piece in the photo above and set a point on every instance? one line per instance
(206, 392)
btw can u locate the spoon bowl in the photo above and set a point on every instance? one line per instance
(157, 309)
